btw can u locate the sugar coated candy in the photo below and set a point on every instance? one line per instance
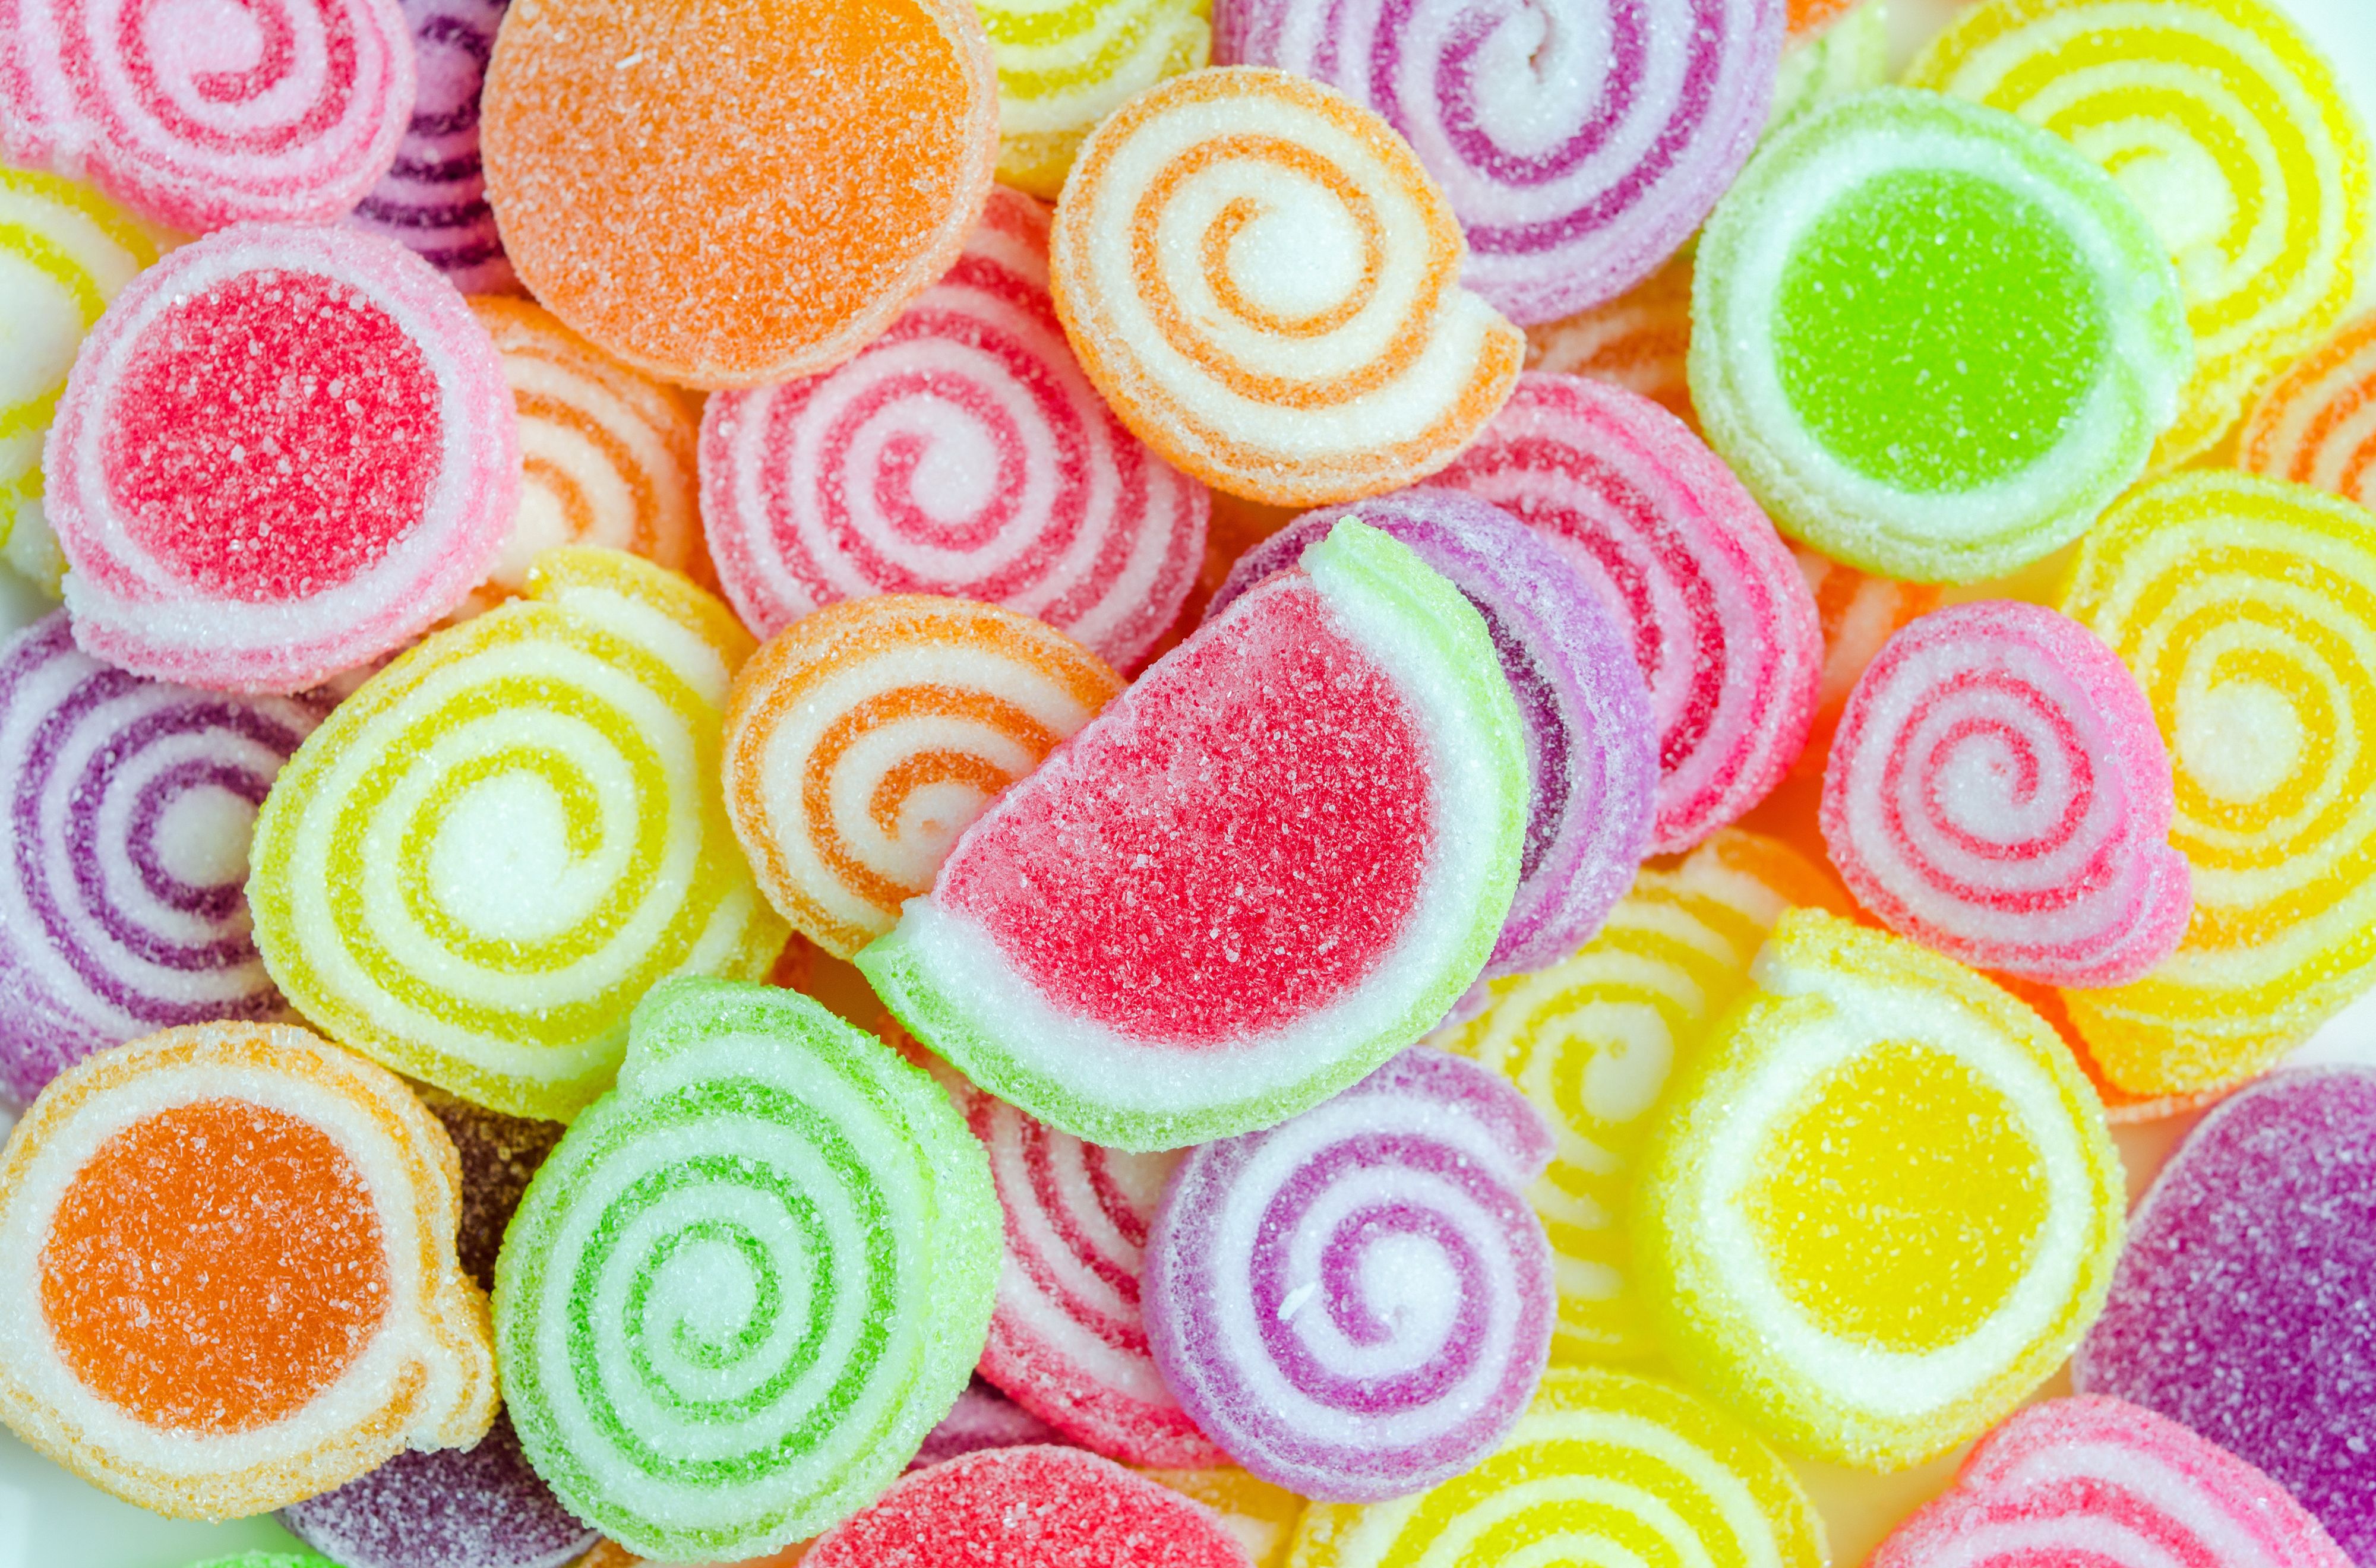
(963, 453)
(1858, 613)
(1882, 1204)
(734, 192)
(1594, 1039)
(1264, 282)
(475, 1507)
(1579, 143)
(432, 200)
(1275, 861)
(283, 452)
(1357, 1303)
(2247, 610)
(1030, 1508)
(1261, 1515)
(129, 806)
(505, 838)
(982, 1417)
(1581, 701)
(1602, 1468)
(2316, 425)
(1933, 341)
(2097, 1480)
(1840, 53)
(1722, 623)
(227, 1275)
(2228, 129)
(268, 1560)
(1998, 791)
(1063, 65)
(499, 1154)
(747, 1282)
(1640, 341)
(2241, 1307)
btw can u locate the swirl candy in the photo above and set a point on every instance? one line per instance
(1261, 1515)
(1062, 67)
(432, 200)
(1579, 144)
(2247, 610)
(283, 452)
(2231, 135)
(1724, 627)
(960, 453)
(503, 840)
(748, 1282)
(1273, 862)
(2317, 424)
(227, 1275)
(1262, 280)
(1882, 1206)
(1935, 341)
(1640, 341)
(476, 1507)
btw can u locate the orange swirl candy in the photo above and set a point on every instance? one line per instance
(1259, 277)
(227, 1273)
(2317, 424)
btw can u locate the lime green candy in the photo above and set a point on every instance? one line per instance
(747, 1282)
(1933, 341)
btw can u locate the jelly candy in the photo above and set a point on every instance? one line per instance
(2316, 425)
(1640, 341)
(499, 1154)
(432, 200)
(982, 1417)
(1063, 65)
(1261, 1515)
(475, 1507)
(1839, 55)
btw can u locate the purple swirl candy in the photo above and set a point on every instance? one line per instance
(1582, 701)
(476, 1507)
(129, 802)
(1357, 1303)
(433, 201)
(1581, 141)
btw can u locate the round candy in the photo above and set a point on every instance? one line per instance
(982, 1417)
(2221, 123)
(1882, 1206)
(129, 803)
(432, 200)
(2247, 610)
(1579, 143)
(1603, 1469)
(1264, 282)
(1829, 58)
(2317, 424)
(473, 870)
(476, 1507)
(961, 453)
(1997, 791)
(1859, 614)
(727, 194)
(1357, 1303)
(1261, 1515)
(499, 1154)
(283, 452)
(1640, 341)
(1594, 1040)
(227, 1275)
(1722, 623)
(1581, 700)
(1933, 341)
(1063, 65)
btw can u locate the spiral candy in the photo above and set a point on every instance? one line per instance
(1062, 67)
(432, 199)
(2316, 425)
(748, 1282)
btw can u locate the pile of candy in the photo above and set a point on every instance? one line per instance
(1505, 731)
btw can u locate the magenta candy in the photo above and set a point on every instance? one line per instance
(982, 1417)
(1357, 1303)
(432, 200)
(1581, 700)
(476, 1507)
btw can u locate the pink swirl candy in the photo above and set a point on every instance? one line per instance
(432, 200)
(1998, 791)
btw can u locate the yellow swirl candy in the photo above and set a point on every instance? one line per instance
(497, 845)
(2228, 128)
(1064, 64)
(2247, 610)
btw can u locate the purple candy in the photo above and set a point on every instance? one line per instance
(1582, 701)
(983, 1418)
(2245, 1304)
(433, 201)
(1357, 1303)
(476, 1507)
(1581, 141)
(499, 1153)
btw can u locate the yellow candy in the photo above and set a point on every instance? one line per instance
(1064, 64)
(488, 854)
(1882, 1206)
(2247, 610)
(1261, 1515)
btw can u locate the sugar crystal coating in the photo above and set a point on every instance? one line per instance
(1261, 1515)
(499, 1154)
(432, 200)
(982, 1417)
(475, 1507)
(1063, 65)
(2316, 425)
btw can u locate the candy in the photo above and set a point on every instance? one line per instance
(1594, 1040)
(2317, 424)
(1885, 428)
(2233, 136)
(227, 1275)
(1030, 1508)
(432, 200)
(1062, 67)
(1276, 860)
(476, 1507)
(1639, 340)
(982, 1417)
(268, 1560)
(1579, 147)
(1357, 1303)
(1881, 1205)
(499, 1154)
(731, 194)
(1603, 1469)
(2247, 610)
(1580, 702)
(1723, 625)
(1998, 792)
(1261, 1515)
(2098, 1481)
(283, 452)
(1834, 57)
(2240, 1308)
(503, 840)
(748, 1282)
(960, 453)
(1263, 281)
(129, 803)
